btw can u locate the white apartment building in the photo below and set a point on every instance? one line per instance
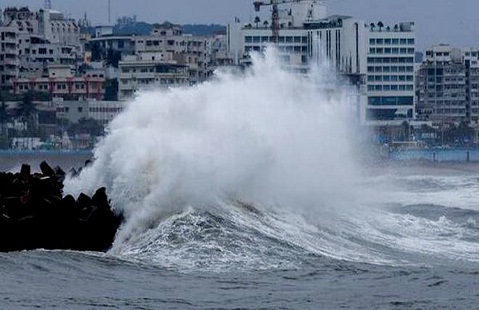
(58, 29)
(8, 56)
(150, 70)
(379, 60)
(390, 74)
(165, 58)
(308, 36)
(102, 111)
(32, 41)
(295, 42)
(185, 49)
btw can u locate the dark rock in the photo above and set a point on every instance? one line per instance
(35, 214)
(46, 169)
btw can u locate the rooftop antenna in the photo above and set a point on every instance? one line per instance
(48, 4)
(109, 12)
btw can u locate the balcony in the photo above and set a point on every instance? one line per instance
(10, 61)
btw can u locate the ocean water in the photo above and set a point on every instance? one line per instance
(250, 192)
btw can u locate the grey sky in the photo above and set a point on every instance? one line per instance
(437, 21)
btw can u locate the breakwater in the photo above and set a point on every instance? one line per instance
(34, 213)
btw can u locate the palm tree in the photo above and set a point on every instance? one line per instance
(380, 25)
(3, 118)
(257, 21)
(27, 111)
(265, 24)
(372, 26)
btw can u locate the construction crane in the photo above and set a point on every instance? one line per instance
(275, 13)
(48, 4)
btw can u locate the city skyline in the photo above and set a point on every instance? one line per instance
(437, 21)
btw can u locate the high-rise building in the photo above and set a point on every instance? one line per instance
(8, 56)
(390, 74)
(378, 59)
(448, 85)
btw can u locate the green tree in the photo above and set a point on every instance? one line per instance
(96, 51)
(380, 25)
(113, 57)
(27, 111)
(111, 90)
(3, 117)
(257, 21)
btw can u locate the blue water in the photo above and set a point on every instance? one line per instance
(244, 193)
(415, 246)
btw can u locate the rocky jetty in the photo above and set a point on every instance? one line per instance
(34, 214)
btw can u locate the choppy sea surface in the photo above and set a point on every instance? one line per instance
(249, 191)
(415, 246)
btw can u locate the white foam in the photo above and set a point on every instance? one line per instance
(267, 136)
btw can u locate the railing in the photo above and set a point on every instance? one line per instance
(437, 155)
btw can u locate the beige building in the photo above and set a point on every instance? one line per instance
(102, 111)
(150, 70)
(448, 85)
(31, 41)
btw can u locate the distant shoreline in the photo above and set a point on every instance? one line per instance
(36, 153)
(11, 160)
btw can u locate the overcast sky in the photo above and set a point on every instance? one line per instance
(437, 21)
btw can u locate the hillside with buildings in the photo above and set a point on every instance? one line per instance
(62, 80)
(68, 81)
